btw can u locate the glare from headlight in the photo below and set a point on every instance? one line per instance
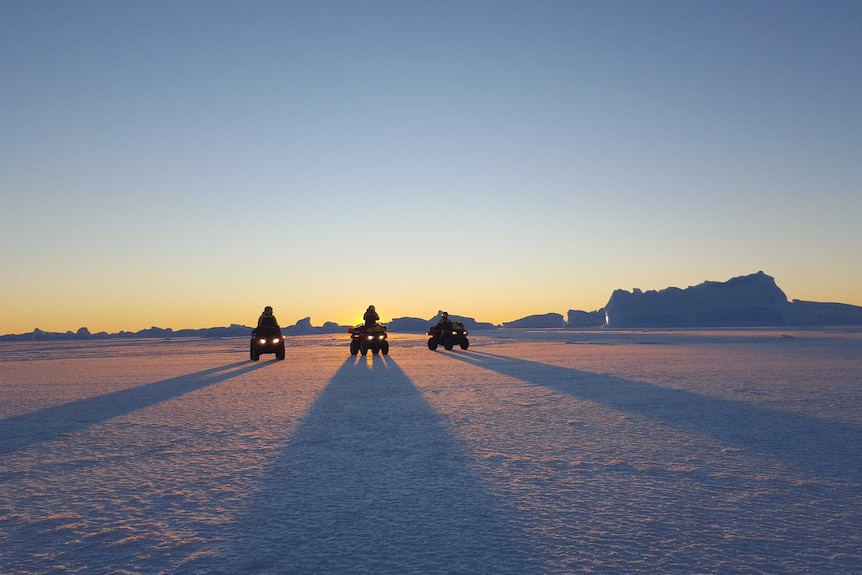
(275, 340)
(465, 332)
(262, 342)
(454, 333)
(370, 337)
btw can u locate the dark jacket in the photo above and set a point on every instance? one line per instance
(371, 317)
(267, 320)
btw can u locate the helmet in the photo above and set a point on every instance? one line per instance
(371, 308)
(267, 309)
(445, 314)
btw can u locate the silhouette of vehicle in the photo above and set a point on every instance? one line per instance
(266, 340)
(363, 338)
(448, 336)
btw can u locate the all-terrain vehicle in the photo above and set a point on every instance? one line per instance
(266, 340)
(365, 337)
(448, 335)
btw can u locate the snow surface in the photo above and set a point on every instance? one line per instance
(532, 452)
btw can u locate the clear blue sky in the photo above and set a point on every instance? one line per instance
(184, 163)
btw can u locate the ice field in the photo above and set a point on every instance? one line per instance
(596, 451)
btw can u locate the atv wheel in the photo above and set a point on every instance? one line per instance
(251, 353)
(448, 346)
(280, 353)
(354, 348)
(432, 343)
(384, 348)
(465, 343)
(363, 350)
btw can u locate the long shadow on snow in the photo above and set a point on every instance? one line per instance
(23, 431)
(372, 482)
(825, 447)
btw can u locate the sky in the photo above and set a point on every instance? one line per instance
(184, 164)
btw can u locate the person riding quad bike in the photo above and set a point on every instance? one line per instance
(364, 337)
(266, 337)
(447, 333)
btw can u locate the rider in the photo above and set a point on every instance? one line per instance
(445, 322)
(371, 318)
(266, 319)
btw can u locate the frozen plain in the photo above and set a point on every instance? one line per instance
(612, 452)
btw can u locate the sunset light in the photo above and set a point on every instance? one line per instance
(399, 287)
(184, 165)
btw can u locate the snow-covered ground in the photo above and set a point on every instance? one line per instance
(533, 452)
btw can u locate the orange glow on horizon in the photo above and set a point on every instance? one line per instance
(115, 311)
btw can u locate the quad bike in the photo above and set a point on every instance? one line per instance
(448, 335)
(266, 340)
(365, 337)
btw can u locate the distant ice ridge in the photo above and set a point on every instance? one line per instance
(754, 300)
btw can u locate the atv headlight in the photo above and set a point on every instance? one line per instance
(370, 337)
(275, 340)
(465, 332)
(262, 341)
(380, 337)
(454, 333)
